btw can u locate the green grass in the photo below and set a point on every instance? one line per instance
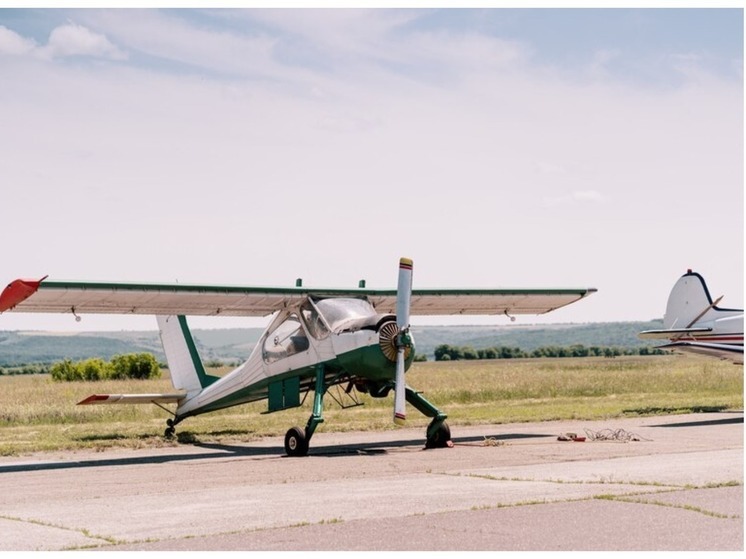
(37, 414)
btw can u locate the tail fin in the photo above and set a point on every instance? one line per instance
(184, 363)
(688, 302)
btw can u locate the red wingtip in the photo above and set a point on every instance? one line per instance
(18, 291)
(93, 399)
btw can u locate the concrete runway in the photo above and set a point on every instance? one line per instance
(502, 487)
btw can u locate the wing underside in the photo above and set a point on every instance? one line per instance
(120, 298)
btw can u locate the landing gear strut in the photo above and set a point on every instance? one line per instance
(296, 439)
(438, 433)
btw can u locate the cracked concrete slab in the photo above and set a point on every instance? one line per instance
(373, 490)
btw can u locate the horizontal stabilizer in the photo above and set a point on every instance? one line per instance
(672, 333)
(131, 399)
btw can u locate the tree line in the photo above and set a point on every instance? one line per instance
(446, 352)
(32, 369)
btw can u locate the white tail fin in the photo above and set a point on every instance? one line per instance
(184, 363)
(689, 302)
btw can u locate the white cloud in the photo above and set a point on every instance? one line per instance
(12, 43)
(71, 39)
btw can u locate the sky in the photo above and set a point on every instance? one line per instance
(496, 147)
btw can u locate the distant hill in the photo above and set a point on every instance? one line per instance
(231, 344)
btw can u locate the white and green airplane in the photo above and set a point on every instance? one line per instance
(316, 339)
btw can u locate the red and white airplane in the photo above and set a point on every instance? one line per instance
(694, 323)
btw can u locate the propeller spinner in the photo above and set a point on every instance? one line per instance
(403, 299)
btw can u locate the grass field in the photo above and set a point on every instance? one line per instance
(37, 414)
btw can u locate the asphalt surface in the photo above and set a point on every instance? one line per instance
(658, 483)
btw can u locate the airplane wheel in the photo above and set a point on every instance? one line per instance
(169, 432)
(441, 438)
(379, 391)
(296, 443)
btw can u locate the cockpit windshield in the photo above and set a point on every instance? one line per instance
(339, 311)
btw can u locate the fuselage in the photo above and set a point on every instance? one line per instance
(344, 338)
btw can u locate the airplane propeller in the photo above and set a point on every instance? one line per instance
(403, 299)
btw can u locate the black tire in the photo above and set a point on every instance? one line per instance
(441, 438)
(296, 443)
(169, 432)
(379, 390)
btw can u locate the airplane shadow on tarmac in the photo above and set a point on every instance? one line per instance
(707, 423)
(254, 451)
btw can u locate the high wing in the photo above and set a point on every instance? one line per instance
(732, 353)
(48, 296)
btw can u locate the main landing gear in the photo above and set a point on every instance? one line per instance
(438, 435)
(296, 442)
(297, 439)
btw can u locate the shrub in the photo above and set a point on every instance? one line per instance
(129, 366)
(66, 370)
(135, 365)
(94, 369)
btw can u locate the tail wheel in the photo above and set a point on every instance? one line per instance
(296, 443)
(170, 429)
(440, 438)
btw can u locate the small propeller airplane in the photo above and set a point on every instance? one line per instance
(316, 339)
(694, 323)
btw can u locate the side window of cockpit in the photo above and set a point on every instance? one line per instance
(313, 321)
(285, 340)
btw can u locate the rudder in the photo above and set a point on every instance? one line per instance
(184, 362)
(688, 302)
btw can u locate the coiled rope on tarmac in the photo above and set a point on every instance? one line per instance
(491, 441)
(619, 435)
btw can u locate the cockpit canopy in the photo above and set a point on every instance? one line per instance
(342, 314)
(321, 317)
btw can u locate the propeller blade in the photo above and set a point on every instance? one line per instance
(400, 412)
(403, 299)
(404, 293)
